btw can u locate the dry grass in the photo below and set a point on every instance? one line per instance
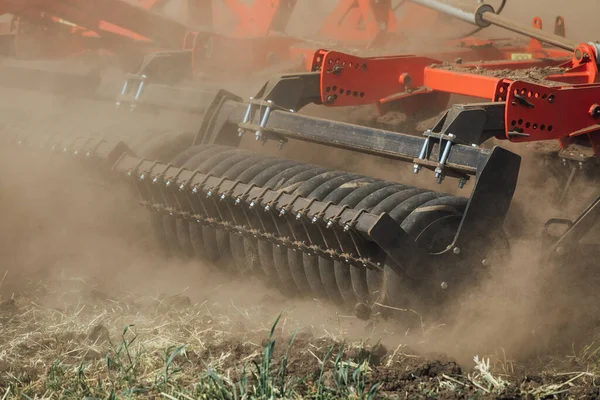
(67, 340)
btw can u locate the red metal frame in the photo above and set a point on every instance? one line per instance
(534, 111)
(360, 21)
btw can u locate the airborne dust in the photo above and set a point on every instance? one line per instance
(82, 237)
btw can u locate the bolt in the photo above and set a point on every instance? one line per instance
(252, 204)
(346, 228)
(194, 190)
(560, 250)
(267, 208)
(76, 152)
(298, 215)
(87, 154)
(258, 136)
(182, 186)
(280, 145)
(168, 183)
(444, 286)
(462, 182)
(416, 168)
(129, 173)
(142, 176)
(154, 180)
(238, 201)
(222, 197)
(282, 212)
(456, 250)
(314, 220)
(209, 193)
(329, 224)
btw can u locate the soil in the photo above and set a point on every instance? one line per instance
(74, 274)
(533, 75)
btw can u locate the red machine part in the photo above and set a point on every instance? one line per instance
(534, 111)
(115, 17)
(360, 21)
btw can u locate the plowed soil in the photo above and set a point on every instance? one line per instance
(89, 308)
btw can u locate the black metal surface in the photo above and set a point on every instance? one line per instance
(217, 120)
(292, 91)
(473, 123)
(577, 229)
(354, 137)
(157, 84)
(227, 204)
(489, 202)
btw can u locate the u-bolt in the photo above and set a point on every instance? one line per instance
(263, 121)
(124, 87)
(246, 116)
(140, 88)
(445, 154)
(422, 154)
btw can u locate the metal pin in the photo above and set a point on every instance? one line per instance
(445, 154)
(462, 182)
(124, 89)
(140, 88)
(246, 116)
(422, 154)
(263, 121)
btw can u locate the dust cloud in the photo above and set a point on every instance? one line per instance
(60, 222)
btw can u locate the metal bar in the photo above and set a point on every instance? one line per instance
(353, 137)
(457, 9)
(533, 33)
(483, 15)
(160, 29)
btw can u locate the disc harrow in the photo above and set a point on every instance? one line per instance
(354, 240)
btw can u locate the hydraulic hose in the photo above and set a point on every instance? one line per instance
(484, 15)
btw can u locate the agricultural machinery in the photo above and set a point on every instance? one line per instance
(359, 241)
